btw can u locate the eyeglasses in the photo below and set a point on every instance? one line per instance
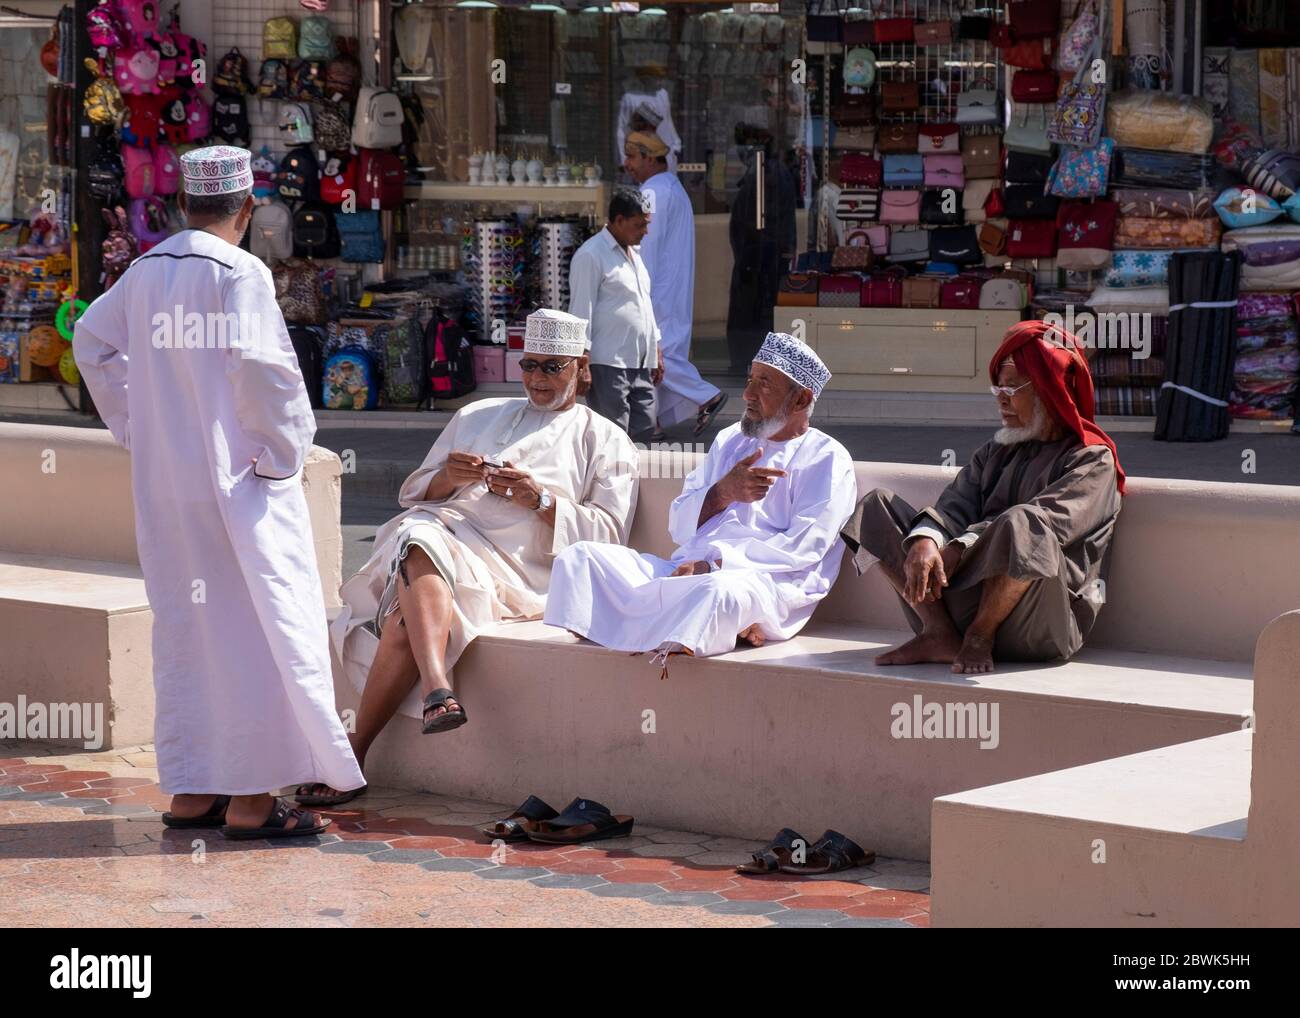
(1007, 390)
(547, 367)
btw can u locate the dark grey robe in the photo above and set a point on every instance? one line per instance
(1037, 511)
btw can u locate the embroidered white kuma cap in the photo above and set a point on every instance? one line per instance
(795, 360)
(217, 169)
(556, 333)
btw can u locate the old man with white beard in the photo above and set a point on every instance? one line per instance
(1010, 562)
(508, 485)
(757, 525)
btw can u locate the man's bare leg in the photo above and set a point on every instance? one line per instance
(243, 811)
(999, 596)
(938, 641)
(754, 635)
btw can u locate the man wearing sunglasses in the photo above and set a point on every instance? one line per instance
(1009, 564)
(508, 485)
(610, 288)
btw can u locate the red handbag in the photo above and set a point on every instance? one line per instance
(938, 138)
(883, 289)
(1035, 86)
(1031, 238)
(1032, 54)
(1034, 19)
(961, 292)
(858, 169)
(995, 204)
(895, 29)
(858, 32)
(840, 291)
(1087, 223)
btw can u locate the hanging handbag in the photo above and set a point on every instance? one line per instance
(1032, 238)
(883, 289)
(900, 96)
(934, 138)
(921, 291)
(1034, 86)
(839, 291)
(1034, 19)
(1077, 40)
(944, 171)
(1003, 293)
(994, 205)
(1027, 201)
(853, 139)
(1082, 172)
(909, 245)
(1080, 111)
(825, 28)
(852, 110)
(941, 208)
(956, 244)
(1030, 54)
(857, 32)
(981, 155)
(992, 238)
(933, 33)
(851, 258)
(860, 170)
(973, 197)
(978, 106)
(858, 204)
(1027, 130)
(1085, 234)
(976, 28)
(898, 138)
(859, 68)
(900, 207)
(878, 240)
(962, 293)
(904, 170)
(1027, 168)
(895, 30)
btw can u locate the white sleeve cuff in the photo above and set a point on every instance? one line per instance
(926, 530)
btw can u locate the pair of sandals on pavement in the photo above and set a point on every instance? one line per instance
(274, 826)
(582, 820)
(451, 717)
(828, 854)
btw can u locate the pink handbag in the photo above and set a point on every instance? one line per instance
(945, 171)
(900, 207)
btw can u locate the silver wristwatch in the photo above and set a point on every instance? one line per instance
(544, 501)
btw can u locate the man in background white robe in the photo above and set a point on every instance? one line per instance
(757, 526)
(491, 540)
(218, 422)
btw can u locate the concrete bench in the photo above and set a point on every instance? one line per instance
(74, 618)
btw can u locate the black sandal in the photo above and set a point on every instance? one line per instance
(775, 853)
(308, 798)
(516, 826)
(709, 411)
(214, 817)
(831, 852)
(582, 820)
(274, 825)
(451, 717)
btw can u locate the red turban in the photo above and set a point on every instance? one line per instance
(1054, 361)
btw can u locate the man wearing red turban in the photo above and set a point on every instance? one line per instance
(1010, 562)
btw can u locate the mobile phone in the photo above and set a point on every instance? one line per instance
(488, 461)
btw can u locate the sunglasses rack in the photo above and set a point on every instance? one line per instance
(493, 257)
(553, 245)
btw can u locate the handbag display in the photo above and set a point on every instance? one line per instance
(904, 170)
(854, 110)
(994, 204)
(851, 259)
(1002, 293)
(958, 245)
(858, 204)
(1027, 129)
(973, 197)
(1085, 234)
(1027, 201)
(858, 170)
(893, 139)
(878, 240)
(962, 293)
(981, 155)
(922, 291)
(1030, 54)
(1034, 19)
(1080, 111)
(854, 139)
(1032, 238)
(798, 289)
(992, 237)
(895, 30)
(937, 138)
(1077, 40)
(1082, 172)
(978, 106)
(1028, 168)
(900, 96)
(1034, 86)
(933, 33)
(900, 207)
(883, 289)
(909, 245)
(941, 208)
(944, 171)
(839, 291)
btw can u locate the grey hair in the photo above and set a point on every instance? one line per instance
(217, 206)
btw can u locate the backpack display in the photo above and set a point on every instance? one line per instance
(279, 39)
(349, 380)
(175, 118)
(105, 173)
(299, 176)
(119, 248)
(361, 236)
(295, 124)
(378, 120)
(331, 126)
(188, 51)
(316, 38)
(270, 236)
(135, 69)
(138, 178)
(105, 28)
(299, 293)
(405, 365)
(451, 372)
(306, 80)
(166, 170)
(307, 343)
(139, 16)
(273, 80)
(381, 178)
(103, 99)
(198, 118)
(142, 121)
(343, 75)
(314, 232)
(338, 177)
(264, 169)
(232, 75)
(230, 120)
(149, 221)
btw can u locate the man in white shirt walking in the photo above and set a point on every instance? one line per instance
(610, 288)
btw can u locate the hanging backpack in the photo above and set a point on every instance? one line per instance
(102, 102)
(306, 80)
(338, 177)
(139, 171)
(349, 380)
(119, 248)
(231, 78)
(139, 16)
(188, 51)
(230, 120)
(406, 371)
(273, 80)
(105, 28)
(135, 69)
(343, 74)
(166, 170)
(314, 232)
(148, 221)
(381, 178)
(264, 169)
(279, 39)
(299, 176)
(270, 236)
(105, 173)
(198, 118)
(451, 372)
(307, 342)
(299, 293)
(378, 119)
(175, 119)
(331, 126)
(361, 236)
(295, 124)
(316, 39)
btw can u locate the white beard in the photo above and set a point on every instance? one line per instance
(559, 399)
(1036, 430)
(764, 429)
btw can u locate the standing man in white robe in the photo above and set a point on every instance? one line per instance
(189, 362)
(668, 251)
(757, 525)
(508, 485)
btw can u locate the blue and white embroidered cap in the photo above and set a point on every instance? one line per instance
(794, 359)
(555, 333)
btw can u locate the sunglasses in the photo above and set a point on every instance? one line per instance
(528, 366)
(1007, 390)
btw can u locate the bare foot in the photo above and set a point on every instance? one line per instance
(754, 635)
(975, 656)
(924, 648)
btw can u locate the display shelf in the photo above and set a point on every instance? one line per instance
(448, 190)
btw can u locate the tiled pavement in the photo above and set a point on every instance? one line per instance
(82, 844)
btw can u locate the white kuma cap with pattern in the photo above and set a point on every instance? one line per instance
(795, 360)
(217, 169)
(555, 333)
